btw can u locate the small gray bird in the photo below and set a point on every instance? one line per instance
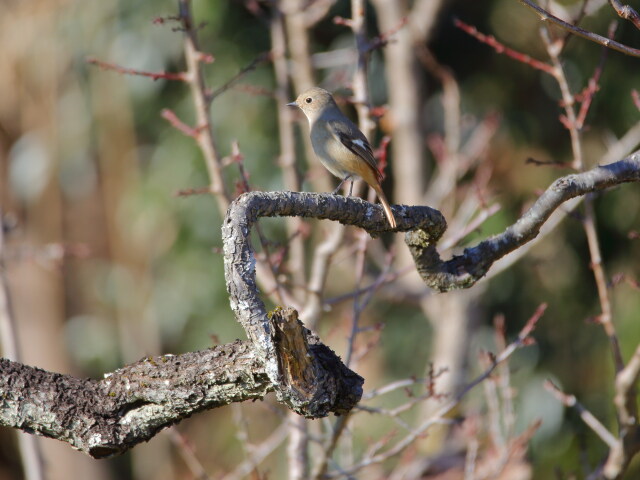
(339, 144)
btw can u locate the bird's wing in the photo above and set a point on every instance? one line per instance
(354, 140)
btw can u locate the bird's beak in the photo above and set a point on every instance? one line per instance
(292, 104)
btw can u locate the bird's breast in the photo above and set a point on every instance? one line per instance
(336, 158)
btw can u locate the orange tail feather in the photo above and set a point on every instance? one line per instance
(385, 206)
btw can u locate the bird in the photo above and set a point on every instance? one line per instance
(341, 147)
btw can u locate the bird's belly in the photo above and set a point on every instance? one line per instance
(329, 151)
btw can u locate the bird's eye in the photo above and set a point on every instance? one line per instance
(308, 99)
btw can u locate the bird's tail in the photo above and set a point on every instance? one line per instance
(385, 205)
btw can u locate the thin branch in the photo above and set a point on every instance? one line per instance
(625, 400)
(523, 340)
(263, 57)
(572, 123)
(177, 76)
(322, 258)
(465, 270)
(179, 125)
(594, 37)
(195, 78)
(500, 48)
(186, 451)
(636, 98)
(587, 417)
(259, 453)
(568, 100)
(287, 158)
(626, 12)
(593, 85)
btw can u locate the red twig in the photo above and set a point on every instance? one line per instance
(187, 192)
(381, 153)
(500, 48)
(173, 119)
(636, 98)
(586, 96)
(180, 76)
(531, 323)
(376, 42)
(384, 38)
(346, 22)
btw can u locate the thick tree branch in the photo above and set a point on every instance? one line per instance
(463, 271)
(109, 416)
(322, 392)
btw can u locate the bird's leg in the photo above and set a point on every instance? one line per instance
(351, 187)
(341, 183)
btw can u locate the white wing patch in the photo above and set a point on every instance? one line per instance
(360, 143)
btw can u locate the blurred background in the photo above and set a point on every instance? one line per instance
(106, 264)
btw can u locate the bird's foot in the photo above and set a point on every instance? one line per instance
(335, 192)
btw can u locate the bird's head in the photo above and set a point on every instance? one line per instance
(313, 102)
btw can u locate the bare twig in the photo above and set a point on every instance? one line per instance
(626, 12)
(501, 48)
(587, 417)
(464, 270)
(195, 78)
(636, 98)
(263, 57)
(594, 37)
(179, 76)
(572, 123)
(593, 85)
(188, 454)
(627, 444)
(523, 339)
(259, 453)
(322, 258)
(179, 125)
(568, 100)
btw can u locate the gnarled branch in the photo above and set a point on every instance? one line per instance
(249, 309)
(106, 417)
(463, 271)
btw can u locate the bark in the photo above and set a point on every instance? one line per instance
(109, 416)
(463, 271)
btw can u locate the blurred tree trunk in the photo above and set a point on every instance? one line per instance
(450, 314)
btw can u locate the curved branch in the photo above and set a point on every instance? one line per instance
(465, 270)
(320, 394)
(130, 405)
